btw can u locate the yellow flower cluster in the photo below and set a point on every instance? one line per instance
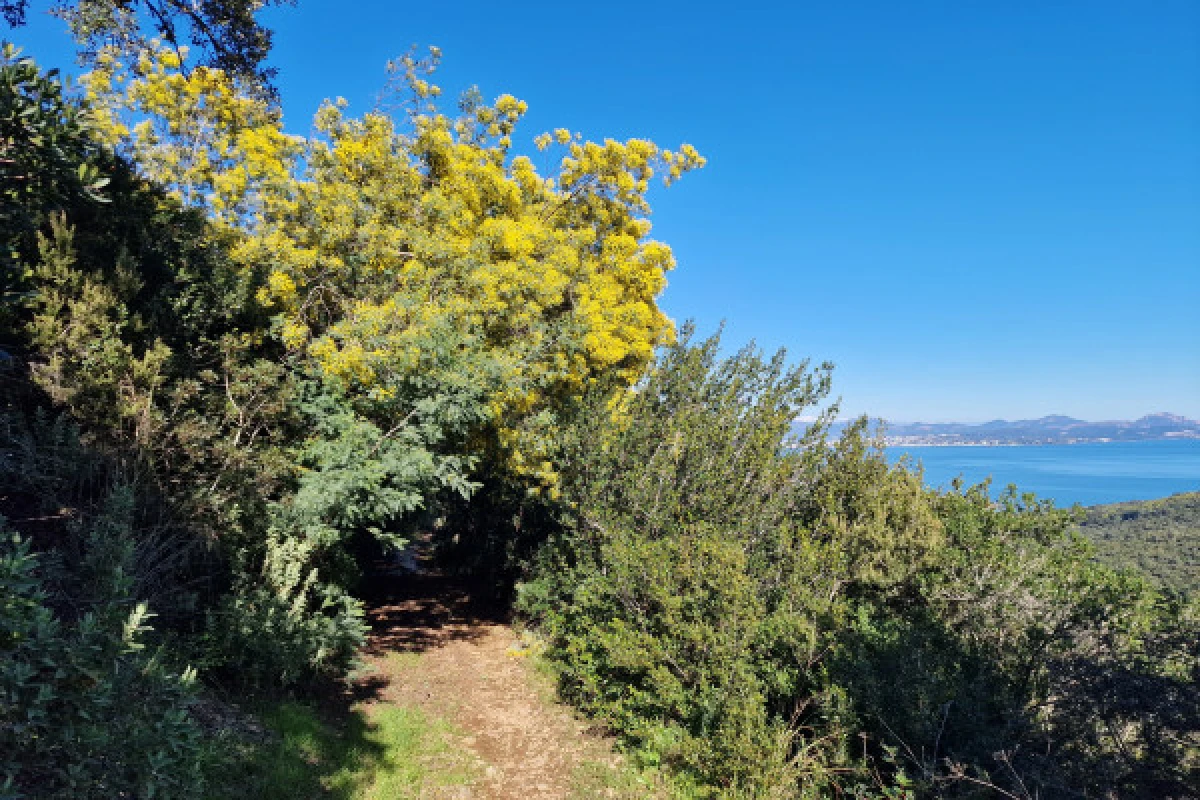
(197, 132)
(377, 230)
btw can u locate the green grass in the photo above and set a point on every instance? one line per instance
(625, 781)
(390, 752)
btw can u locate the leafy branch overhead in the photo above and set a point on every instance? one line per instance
(226, 33)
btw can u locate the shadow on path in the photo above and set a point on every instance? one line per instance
(413, 607)
(473, 673)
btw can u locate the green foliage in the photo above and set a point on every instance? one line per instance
(289, 617)
(371, 461)
(226, 31)
(681, 604)
(145, 432)
(1161, 537)
(782, 618)
(145, 359)
(86, 710)
(281, 624)
(45, 161)
(1018, 662)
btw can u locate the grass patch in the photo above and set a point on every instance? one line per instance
(623, 780)
(376, 753)
(597, 779)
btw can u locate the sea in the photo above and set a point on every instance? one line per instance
(1088, 474)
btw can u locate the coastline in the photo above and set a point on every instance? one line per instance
(918, 441)
(1088, 473)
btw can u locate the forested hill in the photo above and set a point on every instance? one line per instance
(1162, 537)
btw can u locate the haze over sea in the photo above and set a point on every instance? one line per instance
(1109, 472)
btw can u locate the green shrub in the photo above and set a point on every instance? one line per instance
(281, 624)
(86, 710)
(788, 618)
(684, 601)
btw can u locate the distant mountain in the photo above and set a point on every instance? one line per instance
(1054, 429)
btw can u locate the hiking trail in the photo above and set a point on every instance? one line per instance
(436, 646)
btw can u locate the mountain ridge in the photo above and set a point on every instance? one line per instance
(1050, 429)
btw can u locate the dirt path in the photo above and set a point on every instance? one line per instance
(436, 648)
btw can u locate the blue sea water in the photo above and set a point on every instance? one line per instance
(1109, 472)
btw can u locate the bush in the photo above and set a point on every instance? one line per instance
(86, 710)
(798, 618)
(682, 603)
(283, 625)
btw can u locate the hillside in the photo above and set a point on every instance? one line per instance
(1054, 429)
(1160, 536)
(326, 459)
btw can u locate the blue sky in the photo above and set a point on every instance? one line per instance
(975, 210)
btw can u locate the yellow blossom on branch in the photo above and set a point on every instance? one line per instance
(376, 230)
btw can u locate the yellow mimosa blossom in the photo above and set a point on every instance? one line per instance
(376, 230)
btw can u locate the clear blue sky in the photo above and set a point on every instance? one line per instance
(976, 210)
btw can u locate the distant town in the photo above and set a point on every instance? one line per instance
(1054, 429)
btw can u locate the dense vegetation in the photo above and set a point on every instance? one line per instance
(237, 363)
(1161, 537)
(780, 618)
